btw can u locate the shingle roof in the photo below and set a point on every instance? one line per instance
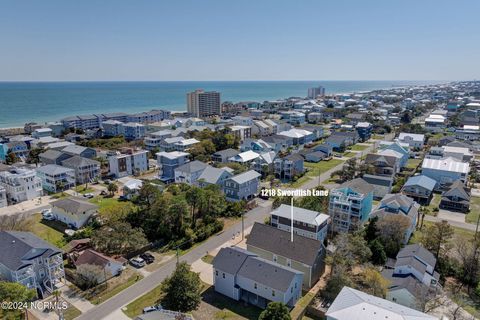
(212, 174)
(78, 161)
(192, 166)
(16, 246)
(302, 249)
(418, 251)
(457, 187)
(74, 205)
(51, 154)
(90, 256)
(421, 180)
(358, 185)
(267, 273)
(351, 304)
(227, 153)
(246, 176)
(74, 149)
(230, 259)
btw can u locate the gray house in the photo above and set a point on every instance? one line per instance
(302, 254)
(86, 170)
(167, 162)
(223, 155)
(243, 186)
(52, 156)
(419, 188)
(288, 167)
(76, 150)
(212, 175)
(189, 172)
(242, 275)
(30, 261)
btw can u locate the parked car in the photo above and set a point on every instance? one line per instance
(69, 232)
(45, 211)
(148, 257)
(103, 193)
(152, 308)
(137, 262)
(48, 216)
(89, 195)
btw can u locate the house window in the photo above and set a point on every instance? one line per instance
(255, 286)
(273, 293)
(394, 299)
(275, 258)
(216, 273)
(223, 275)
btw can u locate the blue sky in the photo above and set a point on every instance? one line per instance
(239, 40)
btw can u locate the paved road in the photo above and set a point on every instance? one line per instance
(153, 280)
(453, 223)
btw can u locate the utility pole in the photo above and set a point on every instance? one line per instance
(178, 256)
(243, 226)
(476, 229)
(291, 220)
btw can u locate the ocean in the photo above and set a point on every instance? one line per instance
(22, 102)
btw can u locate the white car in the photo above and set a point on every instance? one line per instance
(137, 262)
(89, 195)
(48, 216)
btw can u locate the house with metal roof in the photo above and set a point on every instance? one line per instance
(243, 186)
(243, 276)
(414, 140)
(245, 157)
(419, 188)
(73, 211)
(354, 304)
(76, 150)
(306, 223)
(300, 253)
(445, 171)
(30, 261)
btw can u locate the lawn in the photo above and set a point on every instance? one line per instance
(358, 147)
(349, 154)
(151, 298)
(321, 167)
(113, 289)
(378, 136)
(472, 216)
(71, 312)
(108, 207)
(208, 258)
(435, 202)
(81, 189)
(413, 163)
(459, 234)
(51, 231)
(299, 182)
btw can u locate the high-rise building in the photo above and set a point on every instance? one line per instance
(203, 104)
(315, 92)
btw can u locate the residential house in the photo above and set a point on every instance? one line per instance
(293, 117)
(257, 145)
(42, 132)
(288, 167)
(278, 142)
(414, 140)
(112, 128)
(384, 165)
(133, 131)
(246, 157)
(86, 170)
(399, 204)
(167, 162)
(74, 212)
(456, 197)
(264, 163)
(419, 188)
(128, 162)
(315, 156)
(110, 267)
(306, 223)
(261, 128)
(131, 187)
(459, 153)
(364, 130)
(299, 137)
(303, 254)
(189, 172)
(76, 150)
(20, 184)
(223, 156)
(243, 276)
(445, 171)
(30, 261)
(337, 143)
(435, 123)
(169, 144)
(400, 147)
(52, 156)
(382, 185)
(212, 175)
(354, 304)
(185, 144)
(241, 132)
(18, 148)
(243, 186)
(468, 132)
(242, 121)
(325, 148)
(56, 178)
(350, 205)
(153, 140)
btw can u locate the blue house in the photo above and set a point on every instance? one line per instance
(19, 148)
(364, 130)
(350, 205)
(243, 186)
(168, 162)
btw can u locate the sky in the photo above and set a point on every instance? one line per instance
(67, 40)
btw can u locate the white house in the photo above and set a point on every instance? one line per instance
(414, 140)
(74, 212)
(20, 184)
(445, 171)
(127, 163)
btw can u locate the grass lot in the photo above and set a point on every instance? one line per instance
(358, 147)
(113, 289)
(111, 206)
(472, 216)
(413, 163)
(299, 182)
(435, 202)
(459, 234)
(71, 312)
(349, 154)
(321, 167)
(51, 231)
(208, 259)
(151, 298)
(378, 136)
(81, 189)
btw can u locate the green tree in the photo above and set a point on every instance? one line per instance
(34, 155)
(275, 311)
(350, 250)
(335, 283)
(379, 256)
(112, 188)
(436, 238)
(182, 289)
(14, 292)
(374, 283)
(11, 158)
(371, 230)
(118, 238)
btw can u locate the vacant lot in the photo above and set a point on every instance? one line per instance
(358, 147)
(50, 231)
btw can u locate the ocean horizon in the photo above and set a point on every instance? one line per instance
(22, 102)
